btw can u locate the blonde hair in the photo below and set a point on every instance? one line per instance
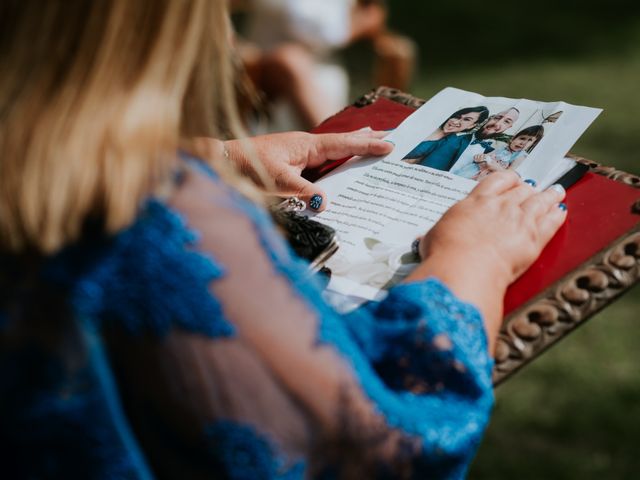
(94, 96)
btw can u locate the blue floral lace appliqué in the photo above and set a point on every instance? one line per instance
(149, 278)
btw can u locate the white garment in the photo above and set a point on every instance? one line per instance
(333, 83)
(321, 25)
(466, 157)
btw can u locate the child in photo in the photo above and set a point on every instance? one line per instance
(511, 156)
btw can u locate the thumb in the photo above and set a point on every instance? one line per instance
(313, 196)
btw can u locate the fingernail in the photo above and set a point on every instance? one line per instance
(415, 247)
(315, 202)
(558, 188)
(531, 181)
(389, 141)
(562, 206)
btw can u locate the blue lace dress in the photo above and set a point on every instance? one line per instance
(194, 345)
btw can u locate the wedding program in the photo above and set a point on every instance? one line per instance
(378, 206)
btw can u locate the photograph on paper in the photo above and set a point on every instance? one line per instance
(379, 206)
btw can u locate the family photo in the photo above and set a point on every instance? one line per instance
(474, 142)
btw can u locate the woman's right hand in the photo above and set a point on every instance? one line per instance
(283, 156)
(486, 241)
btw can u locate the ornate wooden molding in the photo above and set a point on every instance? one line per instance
(568, 303)
(609, 172)
(389, 93)
(573, 300)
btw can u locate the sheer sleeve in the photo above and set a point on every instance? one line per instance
(229, 361)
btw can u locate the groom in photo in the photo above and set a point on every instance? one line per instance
(485, 139)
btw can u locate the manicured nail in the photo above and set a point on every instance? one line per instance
(531, 181)
(389, 141)
(315, 202)
(562, 206)
(558, 188)
(415, 247)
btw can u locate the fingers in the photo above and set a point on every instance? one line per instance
(546, 211)
(368, 132)
(333, 146)
(541, 203)
(497, 183)
(550, 221)
(519, 194)
(295, 185)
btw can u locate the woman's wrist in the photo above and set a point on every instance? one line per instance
(475, 279)
(232, 152)
(214, 150)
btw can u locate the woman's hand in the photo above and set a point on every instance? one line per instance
(283, 156)
(494, 165)
(486, 241)
(479, 158)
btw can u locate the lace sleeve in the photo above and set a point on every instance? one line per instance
(229, 361)
(423, 339)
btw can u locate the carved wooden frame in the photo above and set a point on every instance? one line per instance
(571, 301)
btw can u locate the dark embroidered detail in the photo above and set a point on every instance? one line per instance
(57, 418)
(308, 238)
(243, 454)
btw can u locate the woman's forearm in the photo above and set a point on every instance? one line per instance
(475, 281)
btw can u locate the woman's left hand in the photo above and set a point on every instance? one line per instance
(283, 156)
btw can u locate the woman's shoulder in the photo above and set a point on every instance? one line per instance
(158, 274)
(148, 278)
(155, 274)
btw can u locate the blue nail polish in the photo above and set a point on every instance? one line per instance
(389, 141)
(562, 206)
(315, 202)
(415, 247)
(531, 182)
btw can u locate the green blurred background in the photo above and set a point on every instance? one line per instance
(575, 412)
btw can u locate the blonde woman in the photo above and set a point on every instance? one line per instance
(152, 321)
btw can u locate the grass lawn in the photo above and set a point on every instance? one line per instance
(575, 412)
